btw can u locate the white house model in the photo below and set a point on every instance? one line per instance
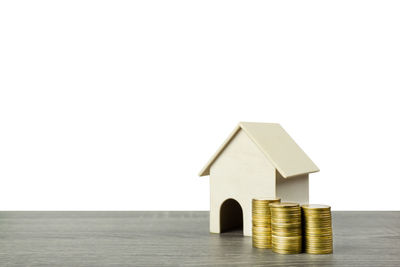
(257, 160)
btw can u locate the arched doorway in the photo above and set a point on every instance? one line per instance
(231, 216)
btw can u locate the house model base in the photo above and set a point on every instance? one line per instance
(257, 160)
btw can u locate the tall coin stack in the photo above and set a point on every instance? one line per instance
(286, 228)
(317, 229)
(262, 222)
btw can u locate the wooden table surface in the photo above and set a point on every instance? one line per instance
(179, 239)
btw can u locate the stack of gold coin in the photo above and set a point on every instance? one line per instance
(286, 227)
(262, 222)
(317, 223)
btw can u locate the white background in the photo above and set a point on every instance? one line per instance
(117, 105)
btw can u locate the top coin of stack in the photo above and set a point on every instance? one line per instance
(317, 229)
(262, 222)
(286, 227)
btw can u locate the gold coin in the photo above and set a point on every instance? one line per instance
(330, 251)
(285, 225)
(316, 235)
(263, 245)
(284, 205)
(267, 199)
(284, 251)
(262, 235)
(317, 240)
(318, 244)
(319, 227)
(306, 217)
(285, 222)
(287, 240)
(315, 207)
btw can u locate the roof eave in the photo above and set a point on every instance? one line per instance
(297, 174)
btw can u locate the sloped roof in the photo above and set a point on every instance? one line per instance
(281, 150)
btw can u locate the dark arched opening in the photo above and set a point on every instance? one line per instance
(231, 216)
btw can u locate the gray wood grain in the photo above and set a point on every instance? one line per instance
(179, 239)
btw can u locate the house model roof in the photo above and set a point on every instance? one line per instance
(276, 144)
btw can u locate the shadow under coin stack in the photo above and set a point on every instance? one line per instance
(262, 222)
(317, 229)
(286, 228)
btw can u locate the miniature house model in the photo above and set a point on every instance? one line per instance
(257, 160)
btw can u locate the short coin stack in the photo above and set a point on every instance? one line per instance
(262, 222)
(286, 228)
(317, 229)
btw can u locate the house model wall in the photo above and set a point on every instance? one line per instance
(257, 160)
